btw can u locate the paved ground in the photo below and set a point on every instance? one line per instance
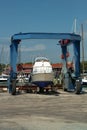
(65, 111)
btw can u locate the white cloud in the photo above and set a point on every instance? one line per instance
(5, 40)
(37, 47)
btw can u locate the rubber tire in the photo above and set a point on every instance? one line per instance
(13, 87)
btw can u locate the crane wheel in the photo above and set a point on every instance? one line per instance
(14, 87)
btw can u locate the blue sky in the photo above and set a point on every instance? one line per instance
(39, 16)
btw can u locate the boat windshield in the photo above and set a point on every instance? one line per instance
(40, 59)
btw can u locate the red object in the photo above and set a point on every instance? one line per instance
(64, 41)
(62, 56)
(67, 54)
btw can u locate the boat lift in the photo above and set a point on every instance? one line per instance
(71, 37)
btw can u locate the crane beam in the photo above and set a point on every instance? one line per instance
(23, 36)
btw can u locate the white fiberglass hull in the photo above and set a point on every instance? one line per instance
(42, 79)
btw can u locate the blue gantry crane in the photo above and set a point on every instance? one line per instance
(66, 39)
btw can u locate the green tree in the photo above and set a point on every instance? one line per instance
(85, 66)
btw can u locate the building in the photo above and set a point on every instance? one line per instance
(27, 68)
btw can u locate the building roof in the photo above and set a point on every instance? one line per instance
(27, 65)
(57, 65)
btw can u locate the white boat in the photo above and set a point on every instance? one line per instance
(84, 80)
(42, 74)
(3, 78)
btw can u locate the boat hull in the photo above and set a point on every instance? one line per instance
(84, 81)
(43, 79)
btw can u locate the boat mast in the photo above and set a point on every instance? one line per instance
(82, 48)
(75, 26)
